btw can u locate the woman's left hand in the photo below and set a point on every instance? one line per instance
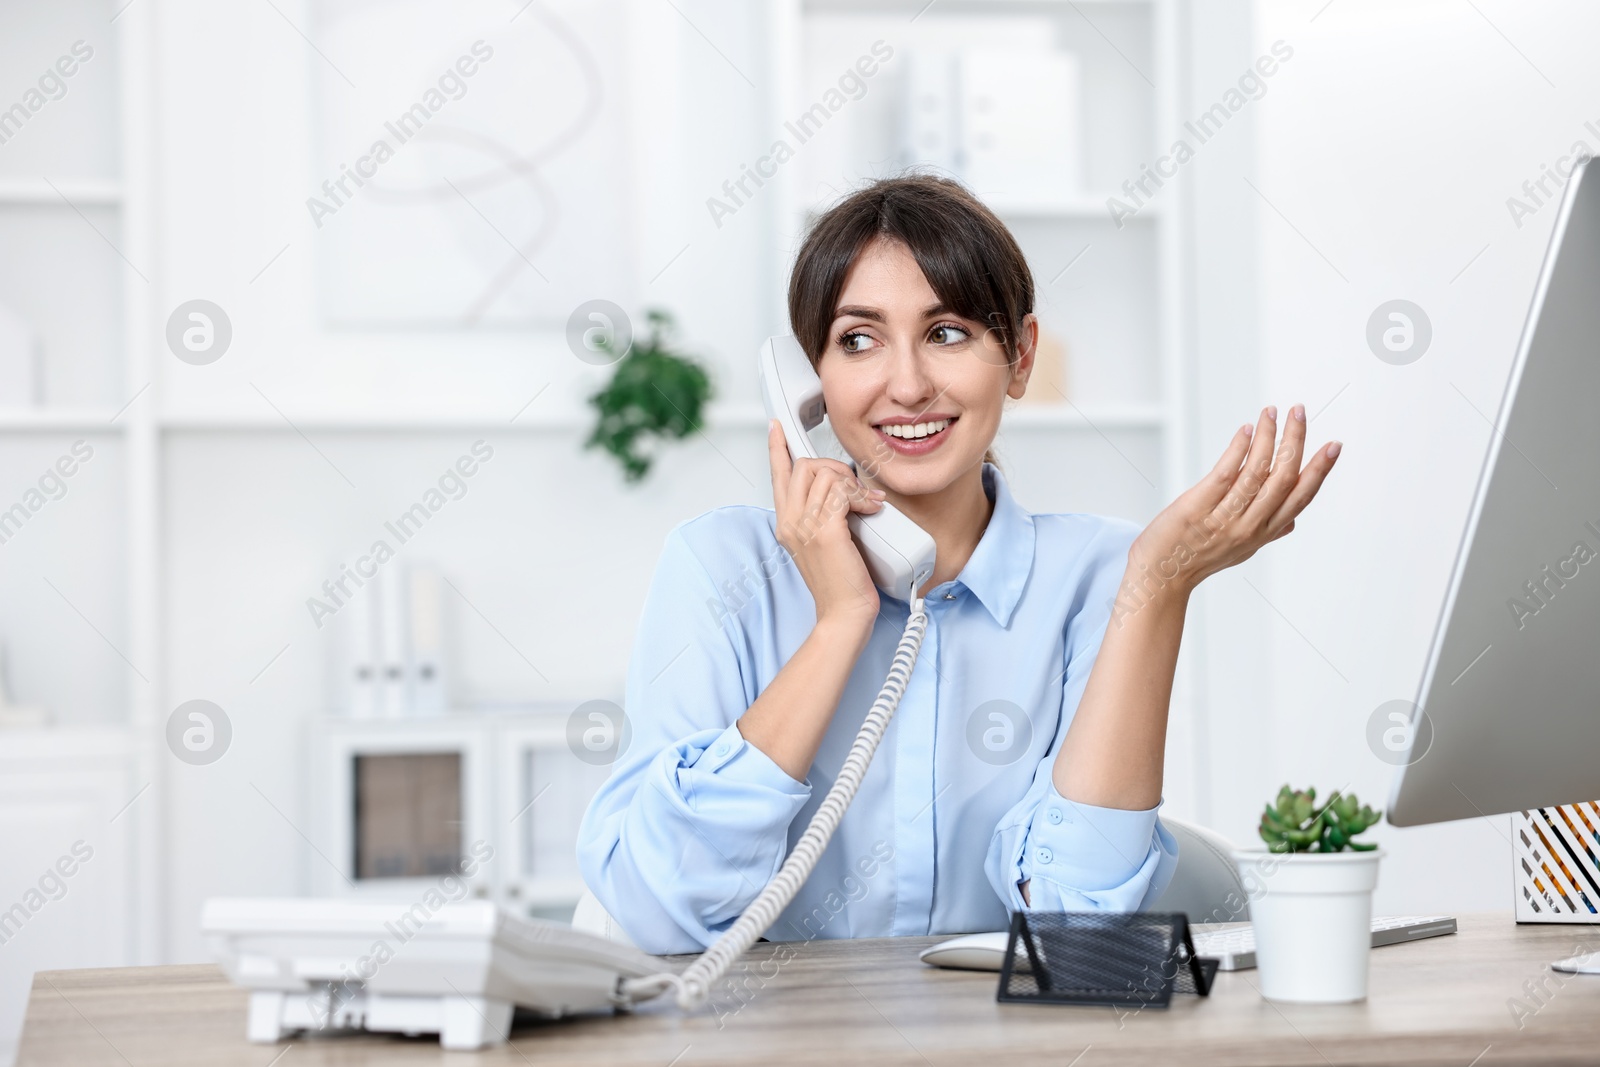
(1250, 497)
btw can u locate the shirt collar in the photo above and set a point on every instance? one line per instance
(998, 569)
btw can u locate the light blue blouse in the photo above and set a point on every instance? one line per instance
(958, 806)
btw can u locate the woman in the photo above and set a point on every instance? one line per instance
(1023, 767)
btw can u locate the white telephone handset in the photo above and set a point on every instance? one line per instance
(899, 553)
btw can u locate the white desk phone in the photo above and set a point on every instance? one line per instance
(464, 968)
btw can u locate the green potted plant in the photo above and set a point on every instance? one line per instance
(652, 393)
(1311, 897)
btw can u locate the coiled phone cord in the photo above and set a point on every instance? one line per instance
(694, 984)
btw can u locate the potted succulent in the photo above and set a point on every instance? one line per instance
(1311, 897)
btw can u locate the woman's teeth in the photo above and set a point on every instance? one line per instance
(915, 430)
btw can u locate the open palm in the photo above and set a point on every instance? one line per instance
(1249, 498)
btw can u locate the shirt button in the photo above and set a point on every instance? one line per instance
(1054, 815)
(949, 596)
(721, 750)
(1044, 855)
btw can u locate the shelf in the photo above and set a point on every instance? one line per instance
(718, 417)
(368, 422)
(543, 892)
(36, 745)
(522, 716)
(50, 420)
(38, 191)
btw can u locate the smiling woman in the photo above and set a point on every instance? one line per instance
(969, 264)
(1024, 768)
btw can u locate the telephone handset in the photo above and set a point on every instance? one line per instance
(899, 554)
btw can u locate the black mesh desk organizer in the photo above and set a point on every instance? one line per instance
(1136, 959)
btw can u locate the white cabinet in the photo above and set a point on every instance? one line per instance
(67, 804)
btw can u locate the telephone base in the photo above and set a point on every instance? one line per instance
(465, 1023)
(459, 971)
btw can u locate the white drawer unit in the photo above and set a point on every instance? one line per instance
(68, 818)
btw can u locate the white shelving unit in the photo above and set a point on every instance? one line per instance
(70, 193)
(1126, 428)
(60, 420)
(73, 180)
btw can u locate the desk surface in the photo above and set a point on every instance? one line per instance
(1446, 1000)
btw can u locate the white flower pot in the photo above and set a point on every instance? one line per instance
(1312, 915)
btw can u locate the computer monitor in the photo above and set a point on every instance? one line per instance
(1509, 703)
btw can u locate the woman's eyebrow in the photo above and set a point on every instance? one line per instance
(859, 312)
(931, 311)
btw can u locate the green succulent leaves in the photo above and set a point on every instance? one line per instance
(1296, 824)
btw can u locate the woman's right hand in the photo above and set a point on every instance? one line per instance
(813, 499)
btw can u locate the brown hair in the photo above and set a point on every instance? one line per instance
(970, 259)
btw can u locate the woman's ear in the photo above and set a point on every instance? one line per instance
(1027, 347)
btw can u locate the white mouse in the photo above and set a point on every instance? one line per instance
(1587, 963)
(972, 952)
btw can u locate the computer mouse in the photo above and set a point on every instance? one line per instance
(971, 952)
(1587, 963)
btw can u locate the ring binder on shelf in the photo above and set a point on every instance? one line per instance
(1136, 959)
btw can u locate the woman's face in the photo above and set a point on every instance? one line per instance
(899, 365)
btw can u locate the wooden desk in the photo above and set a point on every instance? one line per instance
(1440, 1001)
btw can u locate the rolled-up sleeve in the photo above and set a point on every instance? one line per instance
(1080, 857)
(693, 821)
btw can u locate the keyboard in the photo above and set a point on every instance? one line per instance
(1233, 945)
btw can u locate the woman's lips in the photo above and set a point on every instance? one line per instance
(918, 447)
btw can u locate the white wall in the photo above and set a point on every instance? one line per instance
(1391, 142)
